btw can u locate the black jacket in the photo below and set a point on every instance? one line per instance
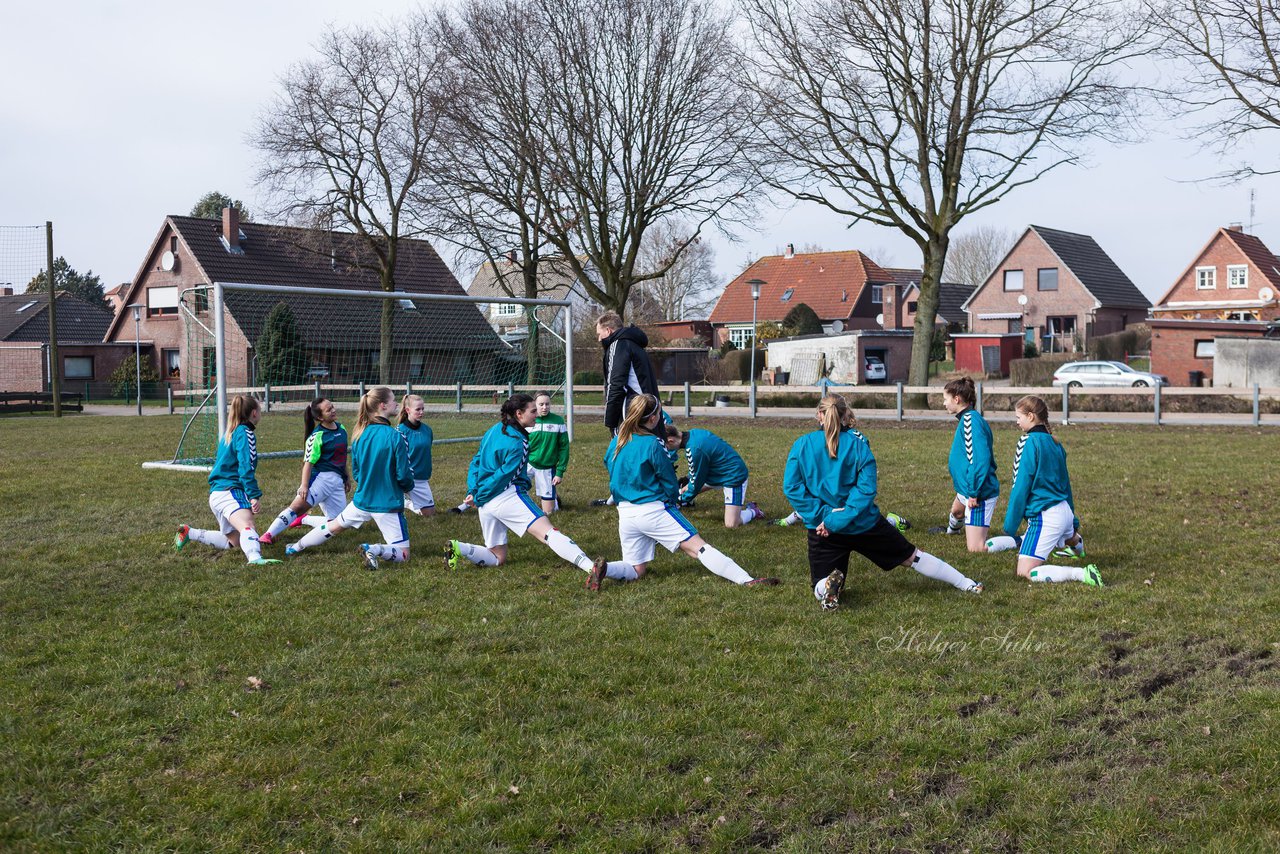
(627, 372)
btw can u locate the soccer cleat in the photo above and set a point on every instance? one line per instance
(781, 523)
(898, 522)
(1065, 551)
(266, 539)
(451, 554)
(763, 582)
(1092, 577)
(751, 505)
(835, 584)
(369, 558)
(181, 538)
(599, 502)
(976, 588)
(291, 550)
(297, 520)
(595, 575)
(263, 561)
(457, 510)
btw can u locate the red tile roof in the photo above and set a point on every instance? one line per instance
(830, 283)
(1257, 253)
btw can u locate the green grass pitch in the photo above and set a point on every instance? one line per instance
(154, 700)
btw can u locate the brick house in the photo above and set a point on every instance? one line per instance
(505, 279)
(951, 298)
(24, 342)
(1058, 289)
(440, 343)
(1230, 289)
(847, 290)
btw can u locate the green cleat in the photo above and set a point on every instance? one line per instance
(263, 561)
(898, 522)
(1092, 577)
(451, 554)
(181, 538)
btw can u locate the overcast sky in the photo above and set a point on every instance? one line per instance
(115, 114)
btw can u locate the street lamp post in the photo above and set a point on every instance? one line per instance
(756, 285)
(137, 350)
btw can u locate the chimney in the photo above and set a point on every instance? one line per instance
(6, 291)
(231, 230)
(1235, 226)
(511, 256)
(891, 307)
(791, 251)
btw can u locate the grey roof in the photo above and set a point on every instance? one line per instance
(79, 322)
(1093, 267)
(282, 255)
(951, 295)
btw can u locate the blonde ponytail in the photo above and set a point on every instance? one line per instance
(641, 408)
(373, 398)
(835, 416)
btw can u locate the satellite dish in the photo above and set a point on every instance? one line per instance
(1266, 294)
(837, 326)
(1022, 299)
(879, 320)
(168, 261)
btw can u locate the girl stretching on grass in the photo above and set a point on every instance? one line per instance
(234, 496)
(380, 465)
(419, 437)
(642, 482)
(973, 468)
(324, 471)
(498, 483)
(713, 462)
(831, 482)
(1042, 495)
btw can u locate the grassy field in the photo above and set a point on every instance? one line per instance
(155, 700)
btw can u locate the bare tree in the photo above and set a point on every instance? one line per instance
(689, 287)
(1231, 51)
(974, 254)
(913, 114)
(348, 144)
(644, 122)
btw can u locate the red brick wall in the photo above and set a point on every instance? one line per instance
(1173, 354)
(22, 366)
(1220, 253)
(1031, 254)
(165, 332)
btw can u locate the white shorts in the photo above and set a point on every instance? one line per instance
(511, 509)
(392, 525)
(736, 496)
(1047, 530)
(542, 485)
(328, 493)
(641, 527)
(420, 497)
(980, 516)
(223, 503)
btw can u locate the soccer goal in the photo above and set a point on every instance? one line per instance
(287, 345)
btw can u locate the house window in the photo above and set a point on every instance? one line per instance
(786, 295)
(417, 365)
(162, 301)
(1206, 349)
(1206, 278)
(200, 300)
(911, 307)
(740, 336)
(506, 309)
(1237, 276)
(77, 367)
(1013, 280)
(172, 362)
(1047, 279)
(1240, 315)
(1015, 325)
(877, 294)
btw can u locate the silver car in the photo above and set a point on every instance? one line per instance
(1105, 374)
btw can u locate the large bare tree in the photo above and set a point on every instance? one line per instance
(689, 287)
(974, 254)
(1231, 52)
(913, 114)
(349, 143)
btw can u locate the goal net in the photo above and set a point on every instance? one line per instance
(289, 345)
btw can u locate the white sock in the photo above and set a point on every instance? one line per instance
(621, 570)
(210, 538)
(722, 565)
(463, 507)
(249, 544)
(1002, 544)
(955, 524)
(1045, 572)
(478, 555)
(385, 552)
(568, 549)
(747, 515)
(792, 518)
(284, 520)
(313, 520)
(314, 537)
(939, 570)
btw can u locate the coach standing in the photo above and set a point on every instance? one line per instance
(627, 371)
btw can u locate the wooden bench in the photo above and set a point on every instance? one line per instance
(38, 401)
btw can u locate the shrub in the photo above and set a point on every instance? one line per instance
(281, 350)
(727, 347)
(741, 362)
(1118, 345)
(124, 378)
(1030, 350)
(802, 320)
(588, 378)
(1039, 371)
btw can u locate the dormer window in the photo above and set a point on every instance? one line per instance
(877, 294)
(786, 295)
(1237, 276)
(1206, 278)
(407, 305)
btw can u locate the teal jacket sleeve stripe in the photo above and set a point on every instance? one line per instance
(978, 449)
(698, 468)
(246, 442)
(1024, 468)
(404, 471)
